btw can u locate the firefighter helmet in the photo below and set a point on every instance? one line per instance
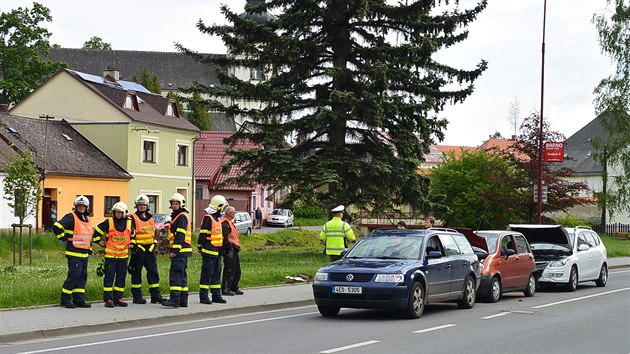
(120, 206)
(141, 199)
(218, 202)
(82, 200)
(177, 197)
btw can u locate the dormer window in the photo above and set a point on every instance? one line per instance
(131, 102)
(171, 110)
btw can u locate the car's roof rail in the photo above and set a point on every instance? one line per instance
(584, 227)
(442, 229)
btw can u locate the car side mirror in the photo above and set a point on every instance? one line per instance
(583, 247)
(481, 254)
(434, 254)
(507, 252)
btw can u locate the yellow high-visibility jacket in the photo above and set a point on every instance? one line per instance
(333, 233)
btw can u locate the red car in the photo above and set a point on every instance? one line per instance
(508, 264)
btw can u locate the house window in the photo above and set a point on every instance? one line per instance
(256, 74)
(131, 102)
(199, 192)
(153, 202)
(109, 203)
(148, 151)
(171, 110)
(262, 197)
(182, 154)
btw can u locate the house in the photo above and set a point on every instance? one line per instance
(70, 166)
(142, 132)
(210, 155)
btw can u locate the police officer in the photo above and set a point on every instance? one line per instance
(144, 247)
(231, 248)
(114, 234)
(76, 231)
(179, 239)
(334, 232)
(209, 244)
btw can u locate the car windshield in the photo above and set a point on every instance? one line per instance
(491, 241)
(279, 212)
(387, 247)
(159, 218)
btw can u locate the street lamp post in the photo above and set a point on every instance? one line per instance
(540, 133)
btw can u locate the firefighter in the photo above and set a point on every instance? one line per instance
(144, 248)
(114, 234)
(231, 261)
(209, 244)
(76, 231)
(179, 238)
(335, 232)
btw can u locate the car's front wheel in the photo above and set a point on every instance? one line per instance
(416, 302)
(495, 291)
(248, 232)
(573, 280)
(531, 286)
(468, 299)
(603, 276)
(328, 311)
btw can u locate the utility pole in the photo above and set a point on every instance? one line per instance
(540, 140)
(47, 117)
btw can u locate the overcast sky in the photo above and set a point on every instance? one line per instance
(508, 34)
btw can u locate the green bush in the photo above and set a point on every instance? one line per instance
(308, 211)
(571, 221)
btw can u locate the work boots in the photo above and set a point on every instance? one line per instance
(140, 301)
(82, 304)
(169, 303)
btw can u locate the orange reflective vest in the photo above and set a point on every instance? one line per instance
(233, 236)
(117, 245)
(145, 230)
(187, 233)
(216, 233)
(82, 233)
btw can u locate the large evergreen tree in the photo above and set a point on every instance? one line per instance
(613, 98)
(350, 85)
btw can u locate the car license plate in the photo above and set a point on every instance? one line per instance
(347, 289)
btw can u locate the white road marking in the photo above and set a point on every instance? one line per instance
(580, 298)
(434, 328)
(495, 315)
(167, 333)
(351, 346)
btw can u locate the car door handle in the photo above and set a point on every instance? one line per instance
(448, 266)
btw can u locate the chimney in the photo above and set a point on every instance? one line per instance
(111, 74)
(4, 108)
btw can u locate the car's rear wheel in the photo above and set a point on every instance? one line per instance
(416, 302)
(328, 311)
(531, 286)
(495, 290)
(573, 280)
(468, 299)
(603, 276)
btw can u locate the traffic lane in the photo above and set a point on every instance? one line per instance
(443, 328)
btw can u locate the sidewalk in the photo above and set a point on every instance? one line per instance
(53, 321)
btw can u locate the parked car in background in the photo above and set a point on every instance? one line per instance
(243, 222)
(508, 264)
(400, 270)
(161, 221)
(280, 217)
(566, 256)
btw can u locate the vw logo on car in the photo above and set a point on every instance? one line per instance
(349, 277)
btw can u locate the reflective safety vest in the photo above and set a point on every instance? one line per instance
(117, 245)
(145, 230)
(82, 233)
(233, 236)
(334, 233)
(216, 233)
(187, 233)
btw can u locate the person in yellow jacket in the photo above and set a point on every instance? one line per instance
(335, 232)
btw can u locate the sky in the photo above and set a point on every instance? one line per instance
(508, 34)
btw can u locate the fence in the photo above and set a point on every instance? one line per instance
(611, 228)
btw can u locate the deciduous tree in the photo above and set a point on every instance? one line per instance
(96, 43)
(21, 185)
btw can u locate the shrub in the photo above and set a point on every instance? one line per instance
(571, 221)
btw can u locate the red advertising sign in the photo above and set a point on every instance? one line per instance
(554, 152)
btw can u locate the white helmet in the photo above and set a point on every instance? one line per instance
(141, 199)
(82, 200)
(178, 198)
(218, 202)
(120, 206)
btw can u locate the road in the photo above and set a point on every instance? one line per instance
(590, 320)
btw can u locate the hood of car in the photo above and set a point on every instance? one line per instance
(366, 265)
(550, 234)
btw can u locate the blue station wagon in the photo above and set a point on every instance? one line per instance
(400, 270)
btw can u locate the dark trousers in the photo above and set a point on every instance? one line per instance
(74, 286)
(231, 270)
(145, 259)
(335, 257)
(178, 279)
(114, 280)
(210, 279)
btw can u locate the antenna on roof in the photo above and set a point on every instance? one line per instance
(481, 219)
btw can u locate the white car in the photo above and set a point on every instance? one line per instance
(566, 256)
(281, 217)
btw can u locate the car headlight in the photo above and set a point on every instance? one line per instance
(559, 263)
(389, 278)
(321, 276)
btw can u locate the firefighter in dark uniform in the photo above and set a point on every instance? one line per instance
(209, 244)
(76, 231)
(114, 234)
(231, 247)
(144, 247)
(179, 238)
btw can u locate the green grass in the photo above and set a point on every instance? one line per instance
(309, 222)
(616, 247)
(265, 260)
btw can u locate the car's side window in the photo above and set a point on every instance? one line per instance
(521, 243)
(590, 239)
(450, 245)
(581, 239)
(434, 245)
(507, 243)
(463, 244)
(237, 218)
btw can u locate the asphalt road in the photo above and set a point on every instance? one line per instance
(590, 320)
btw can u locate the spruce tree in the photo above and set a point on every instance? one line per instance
(351, 95)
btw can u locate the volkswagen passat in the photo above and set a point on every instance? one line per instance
(400, 270)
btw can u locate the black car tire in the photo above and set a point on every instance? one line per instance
(417, 300)
(603, 276)
(531, 286)
(495, 291)
(573, 280)
(328, 311)
(468, 294)
(248, 232)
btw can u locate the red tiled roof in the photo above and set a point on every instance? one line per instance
(455, 149)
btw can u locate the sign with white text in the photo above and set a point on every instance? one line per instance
(554, 152)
